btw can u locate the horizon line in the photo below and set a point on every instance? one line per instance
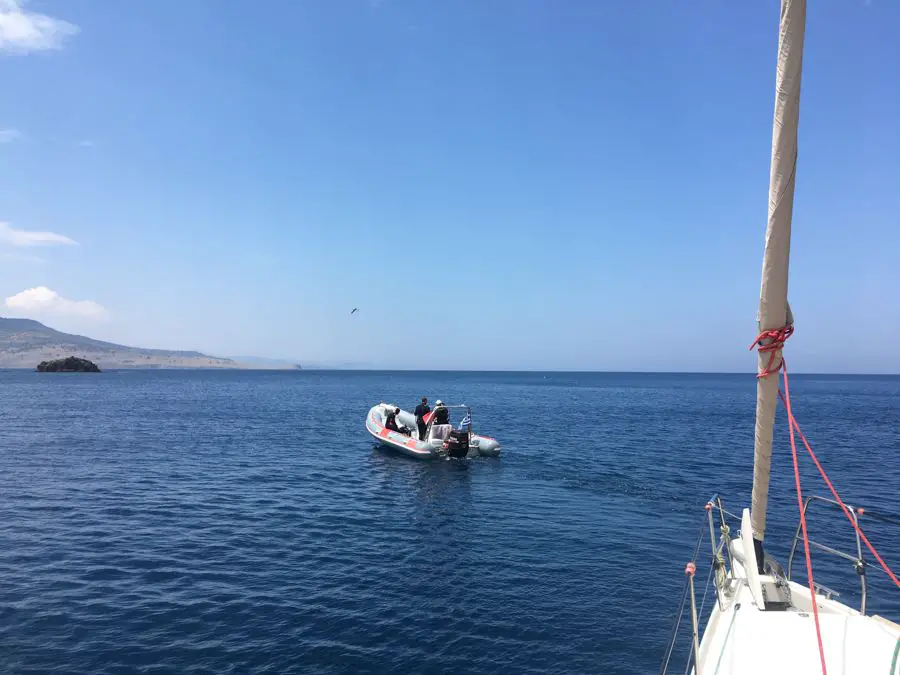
(362, 369)
(338, 369)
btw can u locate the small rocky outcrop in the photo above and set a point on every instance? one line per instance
(70, 364)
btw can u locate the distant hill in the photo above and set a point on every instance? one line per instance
(24, 343)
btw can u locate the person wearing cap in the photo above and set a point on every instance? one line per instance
(421, 410)
(441, 413)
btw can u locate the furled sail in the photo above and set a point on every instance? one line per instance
(774, 313)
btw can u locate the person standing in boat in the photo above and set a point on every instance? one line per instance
(441, 414)
(421, 410)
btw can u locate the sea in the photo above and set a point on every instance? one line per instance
(244, 522)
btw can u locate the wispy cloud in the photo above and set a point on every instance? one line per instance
(9, 135)
(42, 301)
(22, 31)
(10, 235)
(85, 144)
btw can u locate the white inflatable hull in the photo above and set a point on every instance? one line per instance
(483, 446)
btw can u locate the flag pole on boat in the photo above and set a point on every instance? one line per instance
(774, 318)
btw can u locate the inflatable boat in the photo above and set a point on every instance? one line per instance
(441, 440)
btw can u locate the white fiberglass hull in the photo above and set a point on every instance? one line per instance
(761, 624)
(410, 445)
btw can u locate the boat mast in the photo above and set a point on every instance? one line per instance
(774, 312)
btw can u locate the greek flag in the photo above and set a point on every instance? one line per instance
(466, 420)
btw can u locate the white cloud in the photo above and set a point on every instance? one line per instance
(85, 144)
(9, 235)
(43, 301)
(9, 135)
(22, 31)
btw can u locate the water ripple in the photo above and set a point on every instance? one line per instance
(197, 522)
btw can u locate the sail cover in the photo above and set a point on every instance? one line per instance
(773, 306)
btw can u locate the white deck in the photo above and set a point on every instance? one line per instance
(742, 639)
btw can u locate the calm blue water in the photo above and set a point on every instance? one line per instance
(236, 522)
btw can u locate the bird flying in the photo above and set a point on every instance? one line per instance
(354, 311)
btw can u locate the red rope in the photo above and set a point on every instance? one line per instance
(837, 497)
(778, 337)
(809, 571)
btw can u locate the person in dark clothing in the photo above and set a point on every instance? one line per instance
(391, 422)
(441, 414)
(421, 410)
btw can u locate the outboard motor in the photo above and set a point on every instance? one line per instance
(458, 445)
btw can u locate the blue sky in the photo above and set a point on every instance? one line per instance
(494, 183)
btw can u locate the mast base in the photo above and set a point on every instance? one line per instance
(759, 550)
